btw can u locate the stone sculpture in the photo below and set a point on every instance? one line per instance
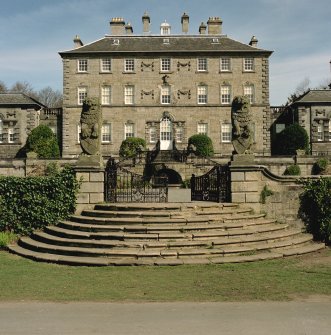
(242, 134)
(91, 123)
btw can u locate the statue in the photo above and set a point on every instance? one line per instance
(242, 134)
(91, 123)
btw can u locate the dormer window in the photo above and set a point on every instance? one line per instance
(165, 28)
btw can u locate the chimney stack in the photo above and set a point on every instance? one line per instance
(202, 29)
(146, 23)
(253, 42)
(77, 42)
(214, 26)
(185, 21)
(128, 29)
(117, 26)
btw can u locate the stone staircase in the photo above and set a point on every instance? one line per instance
(165, 234)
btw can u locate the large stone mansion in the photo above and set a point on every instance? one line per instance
(165, 88)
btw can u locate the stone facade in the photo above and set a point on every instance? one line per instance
(313, 112)
(165, 87)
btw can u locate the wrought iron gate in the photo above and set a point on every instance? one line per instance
(212, 186)
(122, 185)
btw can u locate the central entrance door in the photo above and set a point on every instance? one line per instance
(165, 133)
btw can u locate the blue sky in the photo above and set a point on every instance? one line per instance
(32, 32)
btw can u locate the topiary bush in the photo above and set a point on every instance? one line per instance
(42, 141)
(315, 208)
(292, 170)
(32, 203)
(131, 147)
(320, 166)
(203, 145)
(291, 139)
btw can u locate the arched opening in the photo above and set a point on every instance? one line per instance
(173, 176)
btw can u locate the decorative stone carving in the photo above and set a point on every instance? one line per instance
(91, 123)
(242, 134)
(181, 92)
(147, 93)
(188, 64)
(146, 65)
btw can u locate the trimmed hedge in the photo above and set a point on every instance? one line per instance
(315, 208)
(291, 139)
(42, 141)
(320, 166)
(131, 147)
(203, 145)
(33, 203)
(292, 170)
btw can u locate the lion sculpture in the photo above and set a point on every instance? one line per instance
(91, 123)
(242, 134)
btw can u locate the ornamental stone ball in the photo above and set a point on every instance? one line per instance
(91, 123)
(242, 134)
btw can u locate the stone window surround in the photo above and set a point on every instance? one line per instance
(226, 132)
(129, 65)
(248, 64)
(82, 65)
(202, 64)
(106, 132)
(105, 65)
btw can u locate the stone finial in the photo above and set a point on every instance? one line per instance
(185, 23)
(146, 23)
(77, 42)
(253, 42)
(128, 29)
(202, 28)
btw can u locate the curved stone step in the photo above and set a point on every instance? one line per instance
(103, 261)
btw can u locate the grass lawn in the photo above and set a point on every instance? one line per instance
(285, 279)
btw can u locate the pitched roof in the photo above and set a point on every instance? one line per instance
(315, 96)
(163, 44)
(18, 99)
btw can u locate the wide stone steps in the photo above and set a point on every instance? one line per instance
(164, 234)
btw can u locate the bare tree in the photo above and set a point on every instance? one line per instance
(301, 89)
(49, 97)
(3, 87)
(23, 87)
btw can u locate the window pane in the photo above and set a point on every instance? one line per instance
(79, 130)
(248, 64)
(225, 64)
(106, 135)
(11, 135)
(165, 95)
(165, 64)
(152, 135)
(128, 95)
(179, 135)
(82, 65)
(202, 94)
(129, 130)
(249, 92)
(82, 94)
(106, 65)
(129, 65)
(202, 128)
(106, 95)
(202, 64)
(226, 132)
(225, 95)
(1, 131)
(320, 133)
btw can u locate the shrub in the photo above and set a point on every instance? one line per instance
(292, 170)
(320, 166)
(7, 238)
(266, 192)
(42, 141)
(315, 208)
(291, 139)
(203, 145)
(131, 147)
(32, 203)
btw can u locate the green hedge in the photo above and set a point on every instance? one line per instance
(315, 208)
(32, 203)
(131, 146)
(292, 170)
(203, 145)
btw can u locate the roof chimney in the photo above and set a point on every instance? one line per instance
(202, 29)
(77, 42)
(128, 29)
(146, 23)
(253, 42)
(214, 26)
(117, 26)
(185, 21)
